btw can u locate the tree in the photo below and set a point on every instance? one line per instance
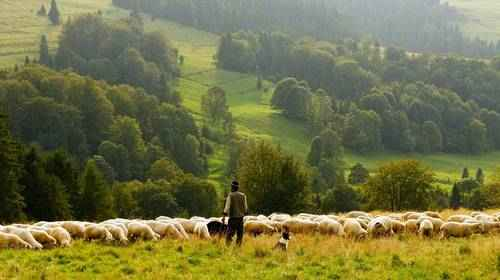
(11, 200)
(42, 12)
(118, 157)
(359, 174)
(45, 196)
(431, 140)
(154, 199)
(54, 14)
(400, 186)
(214, 105)
(362, 131)
(490, 195)
(314, 156)
(476, 137)
(273, 180)
(44, 57)
(465, 173)
(97, 200)
(196, 197)
(480, 176)
(164, 169)
(455, 198)
(342, 198)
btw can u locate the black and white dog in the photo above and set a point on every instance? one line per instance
(283, 241)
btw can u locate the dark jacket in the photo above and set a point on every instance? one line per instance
(236, 205)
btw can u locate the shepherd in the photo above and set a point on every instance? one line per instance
(236, 208)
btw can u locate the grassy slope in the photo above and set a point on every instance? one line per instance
(20, 31)
(311, 257)
(482, 17)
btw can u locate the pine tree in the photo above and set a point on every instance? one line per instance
(54, 15)
(455, 200)
(11, 200)
(27, 60)
(480, 176)
(42, 12)
(465, 173)
(97, 200)
(44, 51)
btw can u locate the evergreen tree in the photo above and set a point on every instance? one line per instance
(42, 12)
(359, 174)
(54, 15)
(97, 201)
(45, 195)
(11, 200)
(27, 60)
(465, 173)
(480, 176)
(314, 156)
(455, 200)
(44, 52)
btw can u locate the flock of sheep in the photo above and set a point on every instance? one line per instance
(355, 225)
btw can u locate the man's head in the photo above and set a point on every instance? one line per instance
(235, 186)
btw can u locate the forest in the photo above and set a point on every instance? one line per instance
(420, 26)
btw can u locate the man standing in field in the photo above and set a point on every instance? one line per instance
(236, 208)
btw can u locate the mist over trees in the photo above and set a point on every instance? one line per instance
(416, 25)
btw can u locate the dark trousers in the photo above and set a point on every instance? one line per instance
(235, 226)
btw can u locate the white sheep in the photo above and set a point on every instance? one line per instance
(97, 232)
(61, 235)
(426, 228)
(140, 230)
(353, 229)
(8, 240)
(24, 234)
(454, 229)
(201, 231)
(258, 227)
(330, 227)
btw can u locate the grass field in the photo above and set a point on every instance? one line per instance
(482, 17)
(309, 257)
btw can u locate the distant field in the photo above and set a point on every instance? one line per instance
(482, 17)
(21, 28)
(309, 257)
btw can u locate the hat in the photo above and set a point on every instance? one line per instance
(235, 184)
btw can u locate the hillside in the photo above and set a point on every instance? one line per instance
(482, 17)
(250, 107)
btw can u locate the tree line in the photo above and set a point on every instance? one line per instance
(375, 98)
(421, 26)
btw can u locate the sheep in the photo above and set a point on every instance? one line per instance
(117, 232)
(179, 228)
(415, 216)
(301, 226)
(25, 235)
(97, 232)
(455, 229)
(353, 229)
(8, 240)
(43, 238)
(331, 227)
(165, 229)
(61, 235)
(436, 223)
(186, 224)
(140, 230)
(458, 218)
(279, 217)
(356, 214)
(425, 228)
(201, 231)
(411, 226)
(258, 227)
(406, 215)
(485, 218)
(397, 226)
(75, 229)
(380, 226)
(433, 214)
